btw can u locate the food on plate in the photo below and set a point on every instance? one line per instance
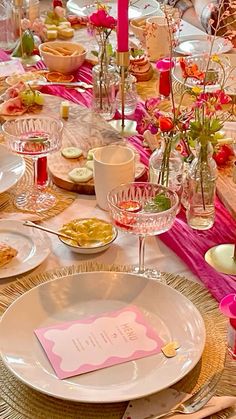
(64, 109)
(12, 106)
(65, 32)
(15, 90)
(55, 76)
(80, 174)
(88, 231)
(7, 253)
(61, 51)
(71, 152)
(51, 34)
(19, 99)
(25, 77)
(140, 67)
(90, 165)
(77, 20)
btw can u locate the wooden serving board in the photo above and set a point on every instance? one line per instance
(83, 129)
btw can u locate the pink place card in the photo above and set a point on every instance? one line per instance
(97, 342)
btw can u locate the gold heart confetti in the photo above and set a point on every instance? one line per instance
(169, 350)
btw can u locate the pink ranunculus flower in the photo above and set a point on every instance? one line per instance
(102, 19)
(25, 24)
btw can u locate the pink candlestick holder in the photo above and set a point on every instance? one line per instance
(164, 67)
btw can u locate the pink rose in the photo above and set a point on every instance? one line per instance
(101, 19)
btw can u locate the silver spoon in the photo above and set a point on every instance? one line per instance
(48, 230)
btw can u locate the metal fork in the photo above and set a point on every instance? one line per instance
(197, 401)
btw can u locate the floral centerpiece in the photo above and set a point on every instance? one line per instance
(194, 128)
(101, 24)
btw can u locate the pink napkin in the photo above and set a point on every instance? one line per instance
(164, 401)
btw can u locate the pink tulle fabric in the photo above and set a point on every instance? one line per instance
(190, 245)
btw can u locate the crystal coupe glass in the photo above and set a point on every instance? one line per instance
(133, 209)
(34, 137)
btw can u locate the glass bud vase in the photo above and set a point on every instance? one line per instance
(202, 185)
(130, 96)
(166, 166)
(104, 85)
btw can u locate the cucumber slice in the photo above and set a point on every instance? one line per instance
(90, 165)
(91, 153)
(71, 152)
(80, 174)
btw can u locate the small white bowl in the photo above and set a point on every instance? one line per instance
(138, 27)
(89, 250)
(65, 64)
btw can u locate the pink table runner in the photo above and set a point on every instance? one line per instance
(190, 245)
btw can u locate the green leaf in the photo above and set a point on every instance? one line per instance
(158, 204)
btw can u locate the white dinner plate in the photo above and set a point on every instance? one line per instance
(172, 315)
(201, 44)
(137, 8)
(12, 168)
(32, 245)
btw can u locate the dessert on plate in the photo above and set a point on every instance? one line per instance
(7, 253)
(140, 67)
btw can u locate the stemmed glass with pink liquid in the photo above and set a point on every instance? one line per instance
(143, 209)
(34, 137)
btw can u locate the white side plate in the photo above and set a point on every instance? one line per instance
(137, 8)
(12, 168)
(201, 44)
(172, 315)
(32, 245)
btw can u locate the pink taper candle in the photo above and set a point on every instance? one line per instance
(123, 26)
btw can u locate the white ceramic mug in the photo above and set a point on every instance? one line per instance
(157, 38)
(113, 165)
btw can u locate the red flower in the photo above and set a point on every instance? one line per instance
(166, 124)
(101, 19)
(56, 3)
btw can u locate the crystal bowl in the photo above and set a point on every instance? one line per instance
(142, 222)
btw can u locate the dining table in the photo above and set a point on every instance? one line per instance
(186, 265)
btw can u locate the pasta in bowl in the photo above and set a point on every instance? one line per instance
(88, 235)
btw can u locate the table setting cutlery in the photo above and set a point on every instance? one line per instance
(188, 405)
(76, 84)
(48, 230)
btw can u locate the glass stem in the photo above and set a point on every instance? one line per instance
(141, 254)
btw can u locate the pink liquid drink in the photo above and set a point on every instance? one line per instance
(35, 143)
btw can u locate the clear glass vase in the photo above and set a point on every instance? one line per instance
(166, 166)
(202, 185)
(130, 94)
(104, 84)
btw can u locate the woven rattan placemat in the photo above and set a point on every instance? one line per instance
(20, 402)
(63, 199)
